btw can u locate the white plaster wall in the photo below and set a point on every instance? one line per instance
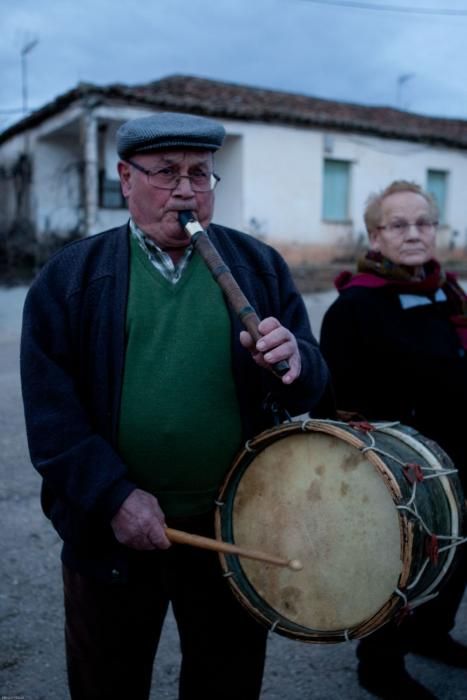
(272, 180)
(110, 152)
(54, 180)
(9, 152)
(278, 187)
(377, 162)
(229, 199)
(109, 218)
(272, 177)
(57, 185)
(281, 172)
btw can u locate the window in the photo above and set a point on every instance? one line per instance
(110, 193)
(336, 190)
(437, 185)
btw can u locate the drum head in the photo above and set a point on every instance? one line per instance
(319, 499)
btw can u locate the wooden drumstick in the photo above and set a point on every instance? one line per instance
(207, 543)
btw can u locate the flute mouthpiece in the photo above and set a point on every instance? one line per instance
(189, 223)
(185, 217)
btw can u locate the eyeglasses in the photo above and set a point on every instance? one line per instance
(402, 227)
(169, 178)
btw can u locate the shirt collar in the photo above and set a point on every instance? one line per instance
(159, 258)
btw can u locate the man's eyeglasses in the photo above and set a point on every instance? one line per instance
(402, 227)
(169, 178)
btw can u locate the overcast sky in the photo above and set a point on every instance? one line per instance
(336, 49)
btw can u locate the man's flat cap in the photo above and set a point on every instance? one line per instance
(168, 130)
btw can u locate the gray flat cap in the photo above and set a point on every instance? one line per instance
(168, 130)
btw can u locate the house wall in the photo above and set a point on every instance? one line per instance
(377, 162)
(282, 184)
(53, 199)
(10, 197)
(281, 176)
(229, 165)
(57, 192)
(272, 180)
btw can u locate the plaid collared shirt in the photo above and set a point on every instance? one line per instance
(159, 258)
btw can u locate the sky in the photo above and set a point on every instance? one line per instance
(409, 54)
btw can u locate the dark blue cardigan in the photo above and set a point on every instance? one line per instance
(72, 358)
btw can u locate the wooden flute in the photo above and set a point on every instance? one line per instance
(226, 281)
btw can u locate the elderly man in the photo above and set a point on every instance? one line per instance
(139, 387)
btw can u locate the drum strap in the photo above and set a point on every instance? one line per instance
(272, 406)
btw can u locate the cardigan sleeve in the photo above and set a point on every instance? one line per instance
(77, 464)
(310, 392)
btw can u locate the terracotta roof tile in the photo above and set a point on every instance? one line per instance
(234, 101)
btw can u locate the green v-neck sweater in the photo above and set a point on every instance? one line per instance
(179, 424)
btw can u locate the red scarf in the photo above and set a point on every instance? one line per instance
(374, 271)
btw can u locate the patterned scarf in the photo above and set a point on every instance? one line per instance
(374, 271)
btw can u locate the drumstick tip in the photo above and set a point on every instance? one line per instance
(295, 565)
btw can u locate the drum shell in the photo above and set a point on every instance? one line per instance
(380, 455)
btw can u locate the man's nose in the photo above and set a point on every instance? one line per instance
(184, 185)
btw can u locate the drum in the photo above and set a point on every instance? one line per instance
(373, 512)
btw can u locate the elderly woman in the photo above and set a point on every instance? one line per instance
(395, 341)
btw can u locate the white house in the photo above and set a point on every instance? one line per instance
(295, 170)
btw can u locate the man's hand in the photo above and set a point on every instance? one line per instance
(140, 523)
(277, 343)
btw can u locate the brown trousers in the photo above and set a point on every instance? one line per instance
(112, 630)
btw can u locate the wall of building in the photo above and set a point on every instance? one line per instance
(15, 192)
(282, 186)
(377, 162)
(58, 192)
(272, 180)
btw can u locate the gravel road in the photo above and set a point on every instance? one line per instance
(32, 665)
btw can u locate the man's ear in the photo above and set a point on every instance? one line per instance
(124, 174)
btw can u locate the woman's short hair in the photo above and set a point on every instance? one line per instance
(372, 213)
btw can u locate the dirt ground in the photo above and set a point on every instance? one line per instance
(32, 665)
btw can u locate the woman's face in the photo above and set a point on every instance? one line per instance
(406, 234)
